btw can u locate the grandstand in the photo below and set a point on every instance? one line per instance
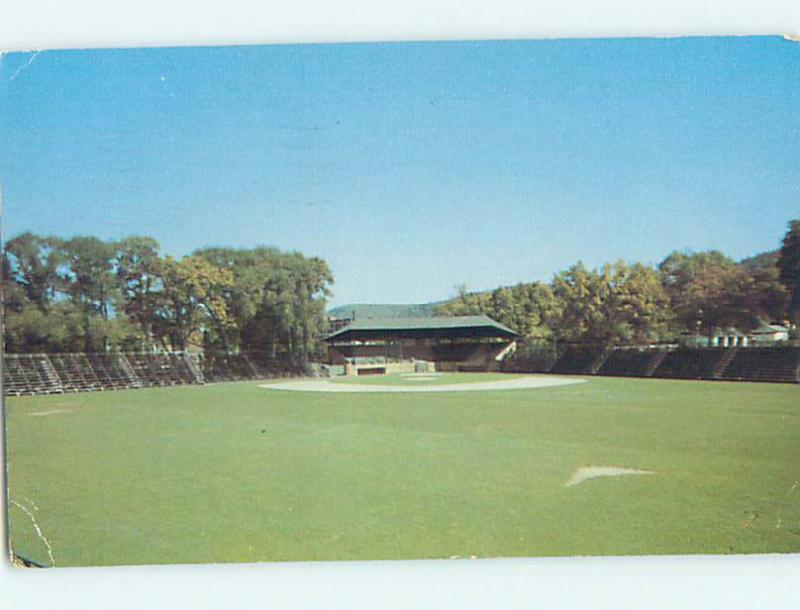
(451, 342)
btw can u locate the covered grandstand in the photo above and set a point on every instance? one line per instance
(451, 342)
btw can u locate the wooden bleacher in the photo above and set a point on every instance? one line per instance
(26, 374)
(631, 362)
(779, 364)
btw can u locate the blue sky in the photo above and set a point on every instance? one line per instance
(412, 167)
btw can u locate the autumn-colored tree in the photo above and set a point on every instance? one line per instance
(190, 297)
(276, 301)
(616, 304)
(708, 291)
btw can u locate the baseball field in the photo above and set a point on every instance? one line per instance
(246, 472)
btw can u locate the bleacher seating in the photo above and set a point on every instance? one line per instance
(114, 371)
(25, 374)
(75, 372)
(577, 360)
(163, 369)
(229, 367)
(530, 360)
(629, 362)
(764, 364)
(686, 363)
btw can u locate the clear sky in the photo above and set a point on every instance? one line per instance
(412, 167)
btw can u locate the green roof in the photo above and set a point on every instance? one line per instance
(436, 323)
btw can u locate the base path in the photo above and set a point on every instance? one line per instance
(325, 385)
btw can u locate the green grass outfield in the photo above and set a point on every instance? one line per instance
(235, 472)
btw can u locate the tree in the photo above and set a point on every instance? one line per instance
(84, 294)
(617, 304)
(90, 279)
(767, 298)
(291, 315)
(644, 303)
(276, 301)
(32, 262)
(190, 297)
(708, 291)
(250, 270)
(789, 268)
(138, 268)
(576, 290)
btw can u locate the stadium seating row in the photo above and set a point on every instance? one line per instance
(764, 364)
(26, 374)
(777, 364)
(578, 360)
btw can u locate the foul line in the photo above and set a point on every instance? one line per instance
(38, 531)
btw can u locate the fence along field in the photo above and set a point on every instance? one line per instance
(26, 374)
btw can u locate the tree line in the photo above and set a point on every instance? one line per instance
(622, 303)
(85, 294)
